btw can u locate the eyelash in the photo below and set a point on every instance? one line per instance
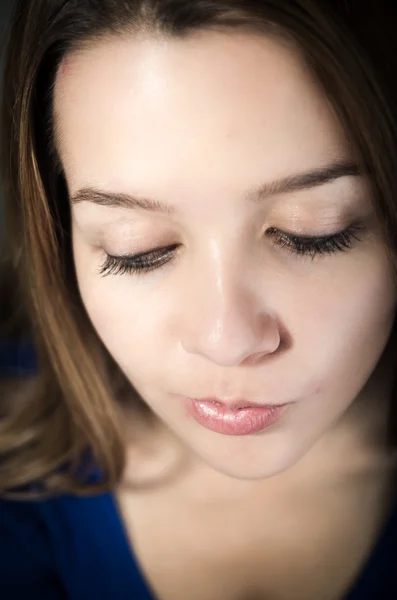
(313, 246)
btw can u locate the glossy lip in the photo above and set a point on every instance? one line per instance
(236, 418)
(235, 404)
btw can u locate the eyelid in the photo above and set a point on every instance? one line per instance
(337, 225)
(303, 237)
(271, 230)
(139, 255)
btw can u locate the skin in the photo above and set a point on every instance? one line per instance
(197, 124)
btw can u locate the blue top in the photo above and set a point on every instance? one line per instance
(76, 548)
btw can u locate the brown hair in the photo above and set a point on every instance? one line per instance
(70, 406)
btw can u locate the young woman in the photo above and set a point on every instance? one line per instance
(200, 257)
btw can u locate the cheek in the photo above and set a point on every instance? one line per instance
(342, 323)
(118, 311)
(125, 325)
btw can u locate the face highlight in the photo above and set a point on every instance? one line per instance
(202, 274)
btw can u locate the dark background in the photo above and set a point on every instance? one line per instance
(5, 10)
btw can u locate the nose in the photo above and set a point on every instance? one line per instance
(227, 324)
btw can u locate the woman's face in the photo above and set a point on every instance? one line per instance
(206, 149)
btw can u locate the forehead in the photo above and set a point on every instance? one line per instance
(213, 104)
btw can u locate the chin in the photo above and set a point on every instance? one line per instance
(248, 473)
(258, 464)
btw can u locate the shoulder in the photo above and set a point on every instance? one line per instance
(25, 551)
(44, 543)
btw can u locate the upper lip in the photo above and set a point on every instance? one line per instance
(232, 403)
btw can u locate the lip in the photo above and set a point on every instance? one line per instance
(240, 417)
(235, 404)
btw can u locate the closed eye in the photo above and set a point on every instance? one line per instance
(138, 263)
(318, 245)
(312, 246)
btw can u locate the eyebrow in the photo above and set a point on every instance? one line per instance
(293, 183)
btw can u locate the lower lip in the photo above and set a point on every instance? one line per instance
(229, 421)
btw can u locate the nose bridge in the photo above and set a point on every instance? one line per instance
(225, 318)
